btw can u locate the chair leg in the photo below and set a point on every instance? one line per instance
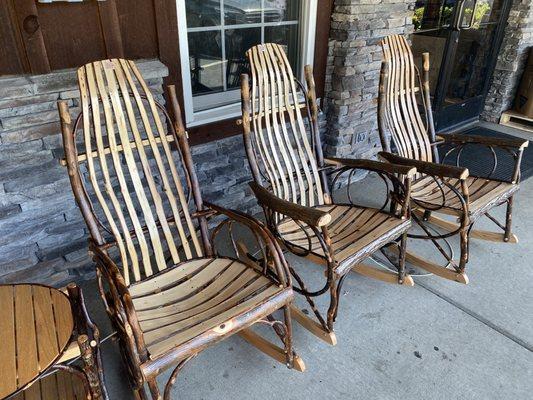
(463, 260)
(401, 259)
(288, 337)
(334, 292)
(508, 219)
(154, 389)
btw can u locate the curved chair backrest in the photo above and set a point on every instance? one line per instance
(136, 174)
(398, 107)
(280, 150)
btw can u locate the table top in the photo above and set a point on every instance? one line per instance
(35, 328)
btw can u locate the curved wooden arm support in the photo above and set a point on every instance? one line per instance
(121, 298)
(274, 255)
(372, 165)
(310, 216)
(427, 168)
(484, 140)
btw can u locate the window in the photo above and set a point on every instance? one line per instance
(214, 36)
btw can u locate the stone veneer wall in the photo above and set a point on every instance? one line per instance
(353, 71)
(42, 235)
(511, 60)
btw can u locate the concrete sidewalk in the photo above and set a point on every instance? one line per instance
(437, 340)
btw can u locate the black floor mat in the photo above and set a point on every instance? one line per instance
(479, 159)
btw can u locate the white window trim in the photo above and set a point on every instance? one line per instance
(192, 118)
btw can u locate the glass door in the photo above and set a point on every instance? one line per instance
(463, 38)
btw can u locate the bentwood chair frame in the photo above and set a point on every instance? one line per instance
(440, 188)
(84, 381)
(291, 184)
(196, 298)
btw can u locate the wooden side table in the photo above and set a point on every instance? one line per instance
(42, 329)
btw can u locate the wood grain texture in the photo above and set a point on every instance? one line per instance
(35, 328)
(58, 386)
(199, 296)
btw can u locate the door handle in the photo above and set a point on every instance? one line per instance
(458, 15)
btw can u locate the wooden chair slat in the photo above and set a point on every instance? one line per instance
(124, 73)
(274, 97)
(45, 326)
(115, 121)
(8, 365)
(172, 166)
(133, 150)
(27, 357)
(95, 105)
(63, 318)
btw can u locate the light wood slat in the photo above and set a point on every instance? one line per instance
(27, 357)
(481, 192)
(195, 282)
(117, 112)
(356, 228)
(115, 77)
(123, 73)
(157, 282)
(117, 163)
(270, 349)
(164, 342)
(48, 348)
(402, 113)
(270, 150)
(220, 289)
(282, 57)
(166, 147)
(210, 309)
(282, 144)
(94, 97)
(63, 318)
(82, 157)
(8, 369)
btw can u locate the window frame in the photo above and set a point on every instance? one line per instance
(306, 56)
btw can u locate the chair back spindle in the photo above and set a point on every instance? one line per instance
(138, 183)
(398, 107)
(276, 131)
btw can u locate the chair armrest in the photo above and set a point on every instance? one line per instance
(260, 231)
(427, 168)
(372, 165)
(310, 216)
(489, 141)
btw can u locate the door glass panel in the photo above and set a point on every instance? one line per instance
(433, 14)
(469, 67)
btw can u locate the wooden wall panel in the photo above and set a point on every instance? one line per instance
(72, 33)
(12, 57)
(138, 28)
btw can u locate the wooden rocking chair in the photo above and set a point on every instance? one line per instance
(167, 291)
(290, 184)
(440, 188)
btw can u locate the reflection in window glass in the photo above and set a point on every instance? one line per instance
(281, 10)
(286, 36)
(238, 41)
(205, 54)
(202, 13)
(242, 12)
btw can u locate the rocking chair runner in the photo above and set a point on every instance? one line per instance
(439, 188)
(170, 295)
(290, 184)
